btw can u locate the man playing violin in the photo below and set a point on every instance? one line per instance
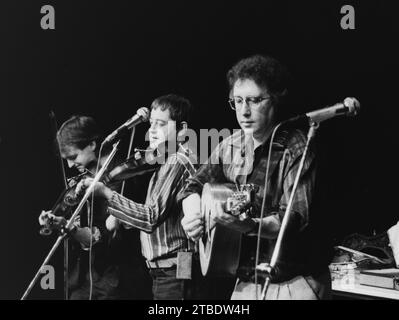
(169, 253)
(78, 139)
(258, 85)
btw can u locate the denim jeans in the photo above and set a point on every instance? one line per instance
(165, 286)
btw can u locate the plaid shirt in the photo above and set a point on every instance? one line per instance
(235, 160)
(162, 235)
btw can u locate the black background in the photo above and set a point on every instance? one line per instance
(108, 58)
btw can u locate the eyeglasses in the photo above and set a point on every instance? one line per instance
(252, 102)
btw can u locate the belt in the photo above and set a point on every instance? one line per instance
(162, 263)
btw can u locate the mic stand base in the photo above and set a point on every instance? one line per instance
(268, 270)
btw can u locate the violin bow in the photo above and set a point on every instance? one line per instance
(54, 128)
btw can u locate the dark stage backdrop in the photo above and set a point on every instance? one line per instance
(108, 58)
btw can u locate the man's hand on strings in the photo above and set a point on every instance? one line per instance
(193, 226)
(47, 216)
(192, 222)
(228, 220)
(112, 223)
(100, 189)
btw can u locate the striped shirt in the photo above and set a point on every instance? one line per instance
(162, 235)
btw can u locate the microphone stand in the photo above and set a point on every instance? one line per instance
(269, 269)
(129, 152)
(68, 227)
(122, 190)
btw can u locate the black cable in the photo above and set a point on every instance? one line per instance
(263, 207)
(91, 227)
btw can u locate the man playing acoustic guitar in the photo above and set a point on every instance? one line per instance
(258, 85)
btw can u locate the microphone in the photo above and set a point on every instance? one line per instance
(142, 115)
(349, 107)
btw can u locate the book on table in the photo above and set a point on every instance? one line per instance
(383, 278)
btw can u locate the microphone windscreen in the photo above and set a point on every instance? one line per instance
(353, 105)
(144, 113)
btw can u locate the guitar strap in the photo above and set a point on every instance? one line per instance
(278, 193)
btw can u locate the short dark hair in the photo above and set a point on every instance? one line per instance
(78, 131)
(180, 108)
(265, 71)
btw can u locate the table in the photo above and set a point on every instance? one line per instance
(351, 288)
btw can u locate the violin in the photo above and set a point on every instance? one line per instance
(142, 162)
(64, 205)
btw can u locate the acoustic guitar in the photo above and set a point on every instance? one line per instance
(219, 248)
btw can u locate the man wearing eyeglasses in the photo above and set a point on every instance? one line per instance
(258, 86)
